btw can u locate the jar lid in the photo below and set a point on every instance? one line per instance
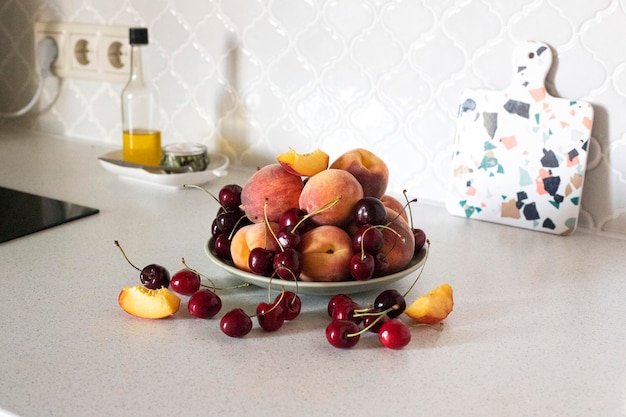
(138, 36)
(186, 154)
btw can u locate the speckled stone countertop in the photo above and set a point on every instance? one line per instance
(537, 330)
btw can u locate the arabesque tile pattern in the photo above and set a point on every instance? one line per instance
(251, 78)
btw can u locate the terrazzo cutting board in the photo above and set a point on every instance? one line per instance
(520, 154)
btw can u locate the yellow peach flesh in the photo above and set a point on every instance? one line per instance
(150, 304)
(304, 164)
(433, 307)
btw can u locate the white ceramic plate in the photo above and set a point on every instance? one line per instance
(317, 288)
(217, 168)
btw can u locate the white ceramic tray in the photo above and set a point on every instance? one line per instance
(318, 288)
(217, 168)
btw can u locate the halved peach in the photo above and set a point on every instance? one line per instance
(432, 307)
(150, 304)
(304, 164)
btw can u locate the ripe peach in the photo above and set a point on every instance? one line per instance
(398, 249)
(371, 171)
(306, 165)
(272, 183)
(324, 188)
(150, 304)
(252, 236)
(394, 204)
(433, 307)
(326, 252)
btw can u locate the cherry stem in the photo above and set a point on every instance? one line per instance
(408, 205)
(213, 286)
(268, 227)
(421, 270)
(199, 274)
(126, 257)
(380, 315)
(206, 191)
(316, 211)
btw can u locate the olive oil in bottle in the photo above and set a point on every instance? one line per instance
(140, 108)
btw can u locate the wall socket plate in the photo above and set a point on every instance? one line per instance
(88, 51)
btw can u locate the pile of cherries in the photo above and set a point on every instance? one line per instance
(349, 320)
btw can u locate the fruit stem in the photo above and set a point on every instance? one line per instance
(421, 270)
(267, 227)
(126, 257)
(316, 211)
(206, 191)
(199, 274)
(380, 315)
(408, 205)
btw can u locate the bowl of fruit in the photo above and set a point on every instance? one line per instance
(313, 227)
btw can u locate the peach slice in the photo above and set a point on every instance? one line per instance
(433, 307)
(304, 164)
(149, 304)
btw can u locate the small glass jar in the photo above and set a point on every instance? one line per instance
(192, 155)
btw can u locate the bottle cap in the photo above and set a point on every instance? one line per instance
(138, 36)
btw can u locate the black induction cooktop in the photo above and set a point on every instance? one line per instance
(22, 213)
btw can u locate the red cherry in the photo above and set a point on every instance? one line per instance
(336, 299)
(345, 311)
(204, 304)
(270, 316)
(222, 246)
(342, 333)
(260, 261)
(287, 264)
(368, 238)
(291, 303)
(394, 334)
(367, 320)
(420, 239)
(185, 282)
(236, 323)
(362, 266)
(230, 196)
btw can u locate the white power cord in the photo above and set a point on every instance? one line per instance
(47, 53)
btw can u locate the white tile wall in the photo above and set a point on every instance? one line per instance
(253, 77)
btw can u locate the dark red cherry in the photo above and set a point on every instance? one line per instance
(270, 316)
(346, 311)
(260, 261)
(342, 333)
(288, 264)
(291, 303)
(337, 299)
(204, 304)
(382, 267)
(420, 239)
(236, 323)
(154, 276)
(289, 239)
(291, 217)
(388, 299)
(230, 196)
(222, 246)
(369, 210)
(368, 238)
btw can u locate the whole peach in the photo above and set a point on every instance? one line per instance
(326, 252)
(252, 236)
(323, 189)
(370, 170)
(273, 184)
(398, 248)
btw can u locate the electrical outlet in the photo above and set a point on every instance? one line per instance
(91, 52)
